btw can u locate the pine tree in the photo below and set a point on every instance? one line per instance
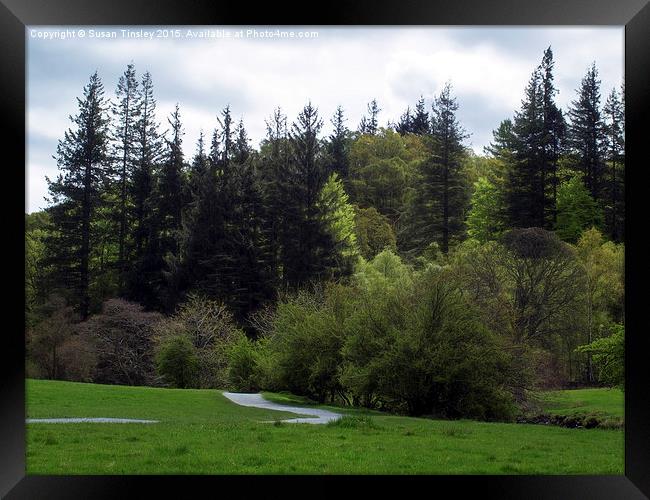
(169, 198)
(524, 193)
(420, 124)
(338, 145)
(77, 194)
(615, 154)
(126, 111)
(306, 245)
(586, 133)
(148, 149)
(370, 125)
(554, 130)
(405, 124)
(442, 193)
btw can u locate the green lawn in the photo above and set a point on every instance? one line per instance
(607, 405)
(201, 432)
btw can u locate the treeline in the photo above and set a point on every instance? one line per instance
(254, 230)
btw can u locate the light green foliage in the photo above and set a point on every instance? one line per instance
(382, 169)
(176, 361)
(339, 217)
(485, 218)
(243, 359)
(35, 233)
(576, 210)
(609, 356)
(374, 232)
(604, 265)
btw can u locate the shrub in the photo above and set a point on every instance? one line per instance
(122, 334)
(176, 361)
(210, 328)
(243, 365)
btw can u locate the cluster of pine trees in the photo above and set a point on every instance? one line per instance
(541, 148)
(131, 216)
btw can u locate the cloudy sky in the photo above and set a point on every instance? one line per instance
(488, 68)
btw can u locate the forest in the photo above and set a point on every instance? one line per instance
(387, 267)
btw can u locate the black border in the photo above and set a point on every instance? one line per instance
(634, 14)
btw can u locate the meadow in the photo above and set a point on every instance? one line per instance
(201, 432)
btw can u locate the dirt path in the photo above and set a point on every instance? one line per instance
(257, 401)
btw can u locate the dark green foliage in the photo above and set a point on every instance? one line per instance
(586, 133)
(442, 192)
(614, 190)
(142, 276)
(369, 124)
(306, 245)
(339, 145)
(176, 361)
(76, 196)
(125, 158)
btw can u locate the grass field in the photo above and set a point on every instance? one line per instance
(201, 432)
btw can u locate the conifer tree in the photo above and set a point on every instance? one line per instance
(306, 245)
(586, 133)
(442, 193)
(370, 124)
(405, 124)
(420, 124)
(615, 154)
(77, 193)
(338, 145)
(148, 149)
(126, 111)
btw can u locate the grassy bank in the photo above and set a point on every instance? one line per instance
(202, 432)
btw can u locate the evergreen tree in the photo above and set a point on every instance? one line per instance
(438, 210)
(525, 198)
(554, 130)
(306, 245)
(126, 111)
(615, 155)
(77, 194)
(420, 124)
(339, 218)
(405, 124)
(586, 133)
(148, 149)
(169, 198)
(338, 145)
(370, 125)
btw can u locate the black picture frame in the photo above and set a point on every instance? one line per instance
(15, 15)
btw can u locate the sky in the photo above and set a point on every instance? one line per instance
(256, 69)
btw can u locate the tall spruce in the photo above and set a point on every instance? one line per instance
(148, 147)
(442, 194)
(524, 193)
(586, 134)
(615, 154)
(420, 123)
(554, 131)
(338, 145)
(370, 124)
(126, 111)
(405, 123)
(306, 244)
(77, 193)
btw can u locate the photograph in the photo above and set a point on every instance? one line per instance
(296, 250)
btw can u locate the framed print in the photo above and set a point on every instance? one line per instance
(373, 246)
